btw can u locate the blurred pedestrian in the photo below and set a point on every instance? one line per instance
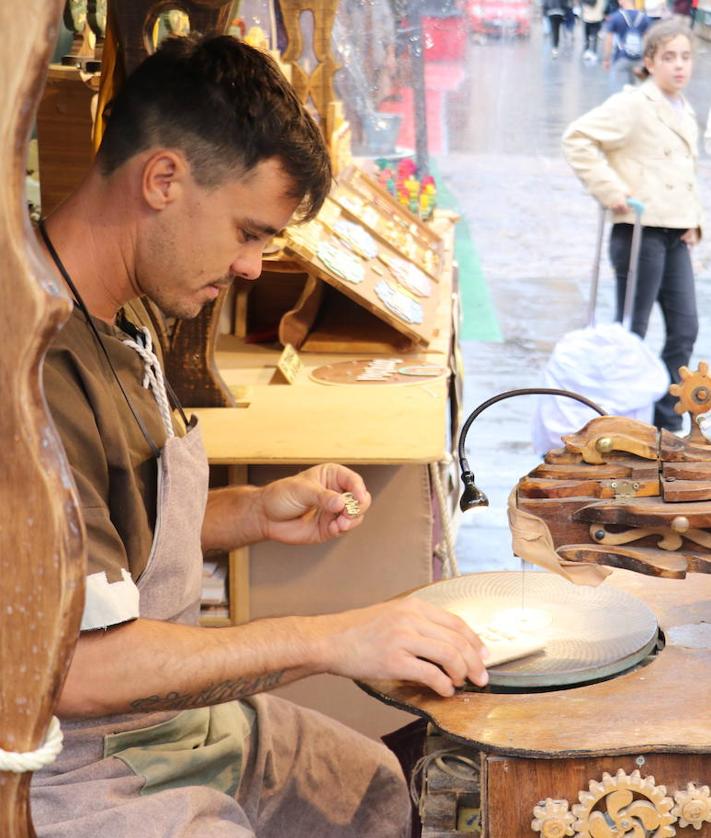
(694, 12)
(622, 51)
(593, 12)
(556, 11)
(656, 10)
(642, 143)
(569, 20)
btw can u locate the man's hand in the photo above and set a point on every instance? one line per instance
(309, 507)
(691, 237)
(405, 639)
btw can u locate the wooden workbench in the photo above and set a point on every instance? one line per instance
(655, 719)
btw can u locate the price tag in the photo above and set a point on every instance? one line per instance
(289, 364)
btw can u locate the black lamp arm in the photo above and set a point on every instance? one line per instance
(467, 474)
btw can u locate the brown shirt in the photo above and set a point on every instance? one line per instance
(111, 460)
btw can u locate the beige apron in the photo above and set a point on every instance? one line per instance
(101, 783)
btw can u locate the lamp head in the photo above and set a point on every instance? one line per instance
(472, 496)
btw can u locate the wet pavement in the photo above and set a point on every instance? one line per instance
(534, 229)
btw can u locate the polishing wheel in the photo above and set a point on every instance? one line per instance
(587, 633)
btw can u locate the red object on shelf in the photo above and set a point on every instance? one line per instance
(445, 38)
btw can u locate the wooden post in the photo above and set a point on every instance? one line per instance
(41, 533)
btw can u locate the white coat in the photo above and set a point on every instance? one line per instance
(637, 144)
(595, 13)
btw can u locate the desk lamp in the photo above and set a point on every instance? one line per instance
(472, 496)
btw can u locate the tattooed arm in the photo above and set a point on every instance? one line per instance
(150, 665)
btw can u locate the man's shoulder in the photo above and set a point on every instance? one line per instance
(72, 341)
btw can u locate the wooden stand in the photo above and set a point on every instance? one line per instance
(539, 749)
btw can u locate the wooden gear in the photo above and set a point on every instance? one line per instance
(694, 393)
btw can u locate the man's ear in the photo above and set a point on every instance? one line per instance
(164, 175)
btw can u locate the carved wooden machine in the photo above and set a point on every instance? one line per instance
(606, 731)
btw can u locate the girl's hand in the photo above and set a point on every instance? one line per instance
(621, 206)
(691, 237)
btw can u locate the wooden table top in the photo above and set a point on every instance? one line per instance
(662, 707)
(310, 422)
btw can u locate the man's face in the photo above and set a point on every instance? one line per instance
(202, 241)
(671, 65)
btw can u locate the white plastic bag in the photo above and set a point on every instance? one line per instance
(613, 367)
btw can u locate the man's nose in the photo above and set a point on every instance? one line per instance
(247, 266)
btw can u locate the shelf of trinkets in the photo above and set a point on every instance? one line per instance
(365, 202)
(366, 269)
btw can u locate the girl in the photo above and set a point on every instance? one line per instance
(642, 143)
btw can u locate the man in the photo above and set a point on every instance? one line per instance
(207, 154)
(622, 50)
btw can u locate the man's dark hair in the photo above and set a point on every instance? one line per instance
(227, 107)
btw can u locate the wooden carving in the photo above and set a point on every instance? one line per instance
(41, 533)
(312, 83)
(626, 804)
(622, 494)
(134, 23)
(553, 818)
(692, 806)
(188, 348)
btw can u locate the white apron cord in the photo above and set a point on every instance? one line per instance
(444, 550)
(46, 754)
(153, 378)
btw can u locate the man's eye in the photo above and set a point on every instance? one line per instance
(248, 237)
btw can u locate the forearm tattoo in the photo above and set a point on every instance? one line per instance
(214, 694)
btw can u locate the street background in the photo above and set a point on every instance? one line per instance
(530, 230)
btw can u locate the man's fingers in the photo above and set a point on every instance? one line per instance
(445, 618)
(472, 655)
(423, 672)
(341, 479)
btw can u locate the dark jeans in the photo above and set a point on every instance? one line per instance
(556, 21)
(665, 275)
(591, 33)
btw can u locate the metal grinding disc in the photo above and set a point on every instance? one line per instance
(590, 633)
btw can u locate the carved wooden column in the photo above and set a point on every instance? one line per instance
(41, 534)
(313, 83)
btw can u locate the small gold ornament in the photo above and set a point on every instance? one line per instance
(693, 806)
(352, 508)
(624, 805)
(553, 818)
